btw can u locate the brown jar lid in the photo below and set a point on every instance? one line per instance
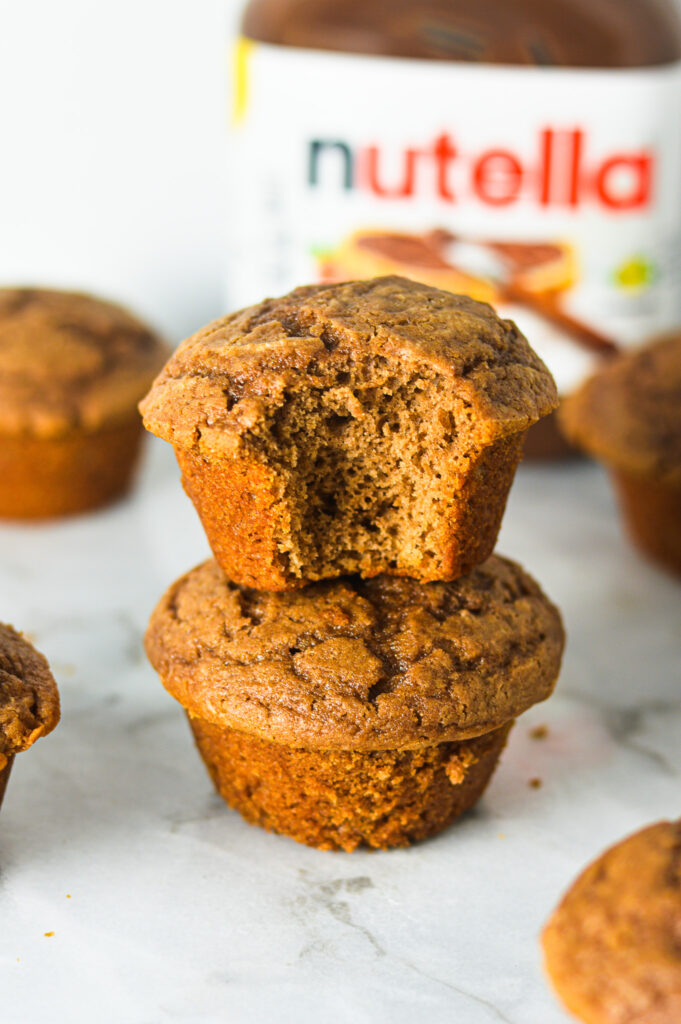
(562, 33)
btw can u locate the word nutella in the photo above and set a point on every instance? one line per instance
(531, 159)
(559, 172)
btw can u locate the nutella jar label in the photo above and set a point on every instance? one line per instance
(551, 193)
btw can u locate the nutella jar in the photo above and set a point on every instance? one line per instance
(524, 152)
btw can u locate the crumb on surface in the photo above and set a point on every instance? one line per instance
(539, 732)
(534, 783)
(48, 935)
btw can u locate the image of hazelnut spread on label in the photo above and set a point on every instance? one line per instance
(528, 168)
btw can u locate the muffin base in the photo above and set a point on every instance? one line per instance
(42, 478)
(243, 512)
(652, 514)
(4, 777)
(342, 799)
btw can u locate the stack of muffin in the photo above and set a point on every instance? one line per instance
(353, 659)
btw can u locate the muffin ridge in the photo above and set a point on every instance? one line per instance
(318, 667)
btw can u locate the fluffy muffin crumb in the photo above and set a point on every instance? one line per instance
(368, 427)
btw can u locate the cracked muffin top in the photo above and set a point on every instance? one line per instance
(70, 361)
(358, 664)
(613, 946)
(629, 413)
(226, 379)
(29, 701)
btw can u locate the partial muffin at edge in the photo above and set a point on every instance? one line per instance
(613, 945)
(316, 433)
(29, 700)
(628, 416)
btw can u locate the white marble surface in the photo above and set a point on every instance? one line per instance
(178, 911)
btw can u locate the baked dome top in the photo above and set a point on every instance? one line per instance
(358, 664)
(70, 360)
(29, 701)
(226, 378)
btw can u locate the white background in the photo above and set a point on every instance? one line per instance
(112, 143)
(112, 135)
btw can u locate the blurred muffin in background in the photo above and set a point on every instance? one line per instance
(72, 369)
(628, 416)
(29, 700)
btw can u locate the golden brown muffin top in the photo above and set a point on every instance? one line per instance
(70, 361)
(358, 664)
(29, 701)
(222, 381)
(629, 413)
(613, 946)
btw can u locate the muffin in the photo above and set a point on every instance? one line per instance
(29, 701)
(613, 946)
(72, 369)
(629, 416)
(371, 427)
(355, 711)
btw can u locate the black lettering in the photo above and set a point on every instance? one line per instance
(317, 146)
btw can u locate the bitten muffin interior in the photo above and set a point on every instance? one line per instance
(372, 426)
(368, 466)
